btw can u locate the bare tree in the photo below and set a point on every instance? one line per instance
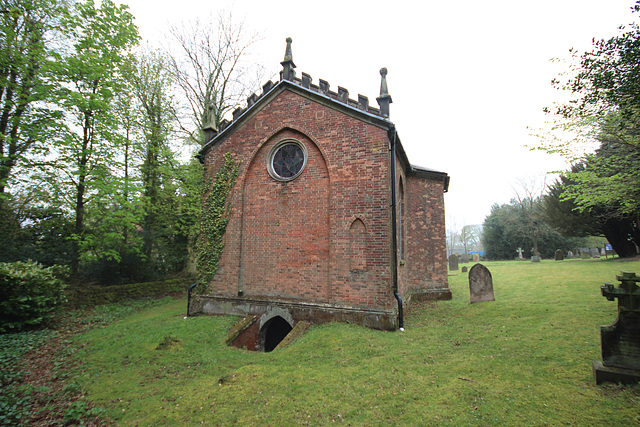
(453, 236)
(211, 67)
(470, 236)
(529, 202)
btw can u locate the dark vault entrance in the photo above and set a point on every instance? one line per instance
(274, 331)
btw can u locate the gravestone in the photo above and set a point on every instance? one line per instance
(621, 341)
(520, 251)
(559, 255)
(585, 254)
(569, 255)
(480, 284)
(476, 257)
(595, 252)
(453, 262)
(464, 258)
(464, 269)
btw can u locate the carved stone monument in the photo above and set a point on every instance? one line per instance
(476, 257)
(559, 255)
(520, 256)
(621, 340)
(569, 255)
(480, 284)
(453, 262)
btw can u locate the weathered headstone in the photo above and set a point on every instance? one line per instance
(520, 256)
(453, 262)
(480, 284)
(569, 255)
(476, 257)
(559, 255)
(535, 258)
(595, 253)
(464, 258)
(585, 254)
(464, 269)
(621, 340)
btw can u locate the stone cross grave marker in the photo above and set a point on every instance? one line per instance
(559, 255)
(480, 284)
(453, 262)
(621, 341)
(520, 251)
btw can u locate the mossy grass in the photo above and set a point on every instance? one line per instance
(524, 359)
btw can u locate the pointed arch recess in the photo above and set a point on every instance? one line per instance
(285, 227)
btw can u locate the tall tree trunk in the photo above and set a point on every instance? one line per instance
(78, 229)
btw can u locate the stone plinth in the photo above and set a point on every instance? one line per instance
(621, 340)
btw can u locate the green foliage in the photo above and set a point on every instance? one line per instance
(14, 407)
(84, 170)
(565, 215)
(27, 28)
(215, 217)
(609, 178)
(28, 294)
(503, 235)
(597, 131)
(34, 232)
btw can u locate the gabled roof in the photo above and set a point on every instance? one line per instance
(359, 110)
(321, 94)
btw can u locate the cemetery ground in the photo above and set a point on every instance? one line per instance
(523, 359)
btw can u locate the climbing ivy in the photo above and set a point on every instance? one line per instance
(215, 217)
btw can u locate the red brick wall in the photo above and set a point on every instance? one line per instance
(323, 237)
(425, 255)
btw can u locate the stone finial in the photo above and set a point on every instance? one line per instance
(288, 66)
(209, 127)
(384, 99)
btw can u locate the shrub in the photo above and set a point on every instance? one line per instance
(29, 293)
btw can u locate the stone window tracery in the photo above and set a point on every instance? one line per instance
(287, 160)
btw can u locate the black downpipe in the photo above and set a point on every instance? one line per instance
(189, 297)
(394, 225)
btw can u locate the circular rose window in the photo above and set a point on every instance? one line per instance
(287, 159)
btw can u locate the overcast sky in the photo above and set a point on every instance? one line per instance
(468, 78)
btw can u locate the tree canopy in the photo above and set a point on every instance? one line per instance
(603, 187)
(96, 166)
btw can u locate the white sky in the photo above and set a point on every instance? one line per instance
(467, 77)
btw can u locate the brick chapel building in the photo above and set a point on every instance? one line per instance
(328, 219)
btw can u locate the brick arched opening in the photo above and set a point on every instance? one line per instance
(273, 332)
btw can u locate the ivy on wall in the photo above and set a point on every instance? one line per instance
(215, 217)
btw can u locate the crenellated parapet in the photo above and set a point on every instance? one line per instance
(322, 88)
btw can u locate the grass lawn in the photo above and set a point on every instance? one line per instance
(524, 359)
